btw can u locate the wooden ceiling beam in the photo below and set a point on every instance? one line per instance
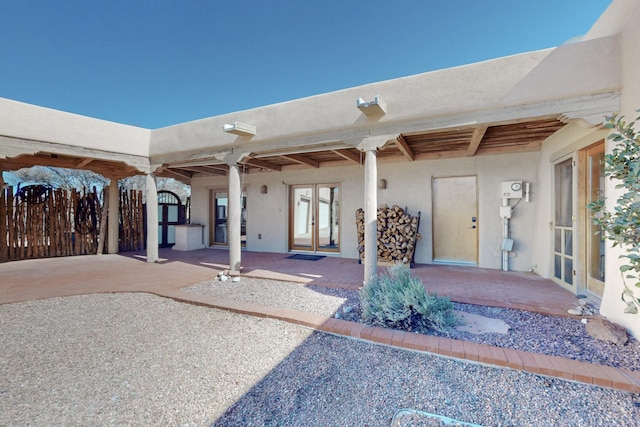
(83, 163)
(302, 160)
(261, 164)
(214, 170)
(404, 148)
(200, 169)
(348, 155)
(476, 139)
(178, 173)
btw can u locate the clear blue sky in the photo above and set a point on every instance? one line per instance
(156, 63)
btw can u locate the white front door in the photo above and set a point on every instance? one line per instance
(455, 220)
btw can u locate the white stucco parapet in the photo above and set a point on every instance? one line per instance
(483, 90)
(26, 122)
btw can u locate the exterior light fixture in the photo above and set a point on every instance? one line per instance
(377, 107)
(382, 184)
(239, 128)
(263, 189)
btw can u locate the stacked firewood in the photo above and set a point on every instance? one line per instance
(397, 234)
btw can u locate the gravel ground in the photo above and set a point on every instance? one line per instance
(331, 381)
(143, 360)
(139, 359)
(551, 335)
(130, 359)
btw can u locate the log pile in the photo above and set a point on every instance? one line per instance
(397, 234)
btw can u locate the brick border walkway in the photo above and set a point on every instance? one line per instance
(552, 366)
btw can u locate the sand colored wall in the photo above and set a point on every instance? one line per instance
(623, 16)
(31, 122)
(408, 185)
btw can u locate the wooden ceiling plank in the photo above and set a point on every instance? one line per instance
(178, 173)
(83, 163)
(262, 164)
(302, 160)
(476, 139)
(404, 148)
(199, 169)
(348, 155)
(214, 170)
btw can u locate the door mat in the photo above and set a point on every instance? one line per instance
(306, 257)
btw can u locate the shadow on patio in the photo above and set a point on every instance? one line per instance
(518, 290)
(128, 272)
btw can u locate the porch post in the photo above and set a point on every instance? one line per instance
(370, 145)
(234, 216)
(152, 218)
(234, 219)
(370, 215)
(113, 230)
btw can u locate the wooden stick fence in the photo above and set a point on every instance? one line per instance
(41, 222)
(132, 221)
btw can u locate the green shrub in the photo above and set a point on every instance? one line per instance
(400, 301)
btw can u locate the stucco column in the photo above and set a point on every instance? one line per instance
(370, 215)
(152, 219)
(234, 219)
(370, 145)
(113, 230)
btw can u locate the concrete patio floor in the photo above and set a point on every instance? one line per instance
(129, 272)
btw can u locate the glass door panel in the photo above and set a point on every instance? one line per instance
(219, 217)
(328, 218)
(595, 241)
(563, 222)
(303, 218)
(220, 210)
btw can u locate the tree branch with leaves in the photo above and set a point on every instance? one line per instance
(622, 224)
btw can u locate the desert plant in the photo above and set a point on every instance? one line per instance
(622, 225)
(399, 300)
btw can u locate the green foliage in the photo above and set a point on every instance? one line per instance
(400, 301)
(622, 225)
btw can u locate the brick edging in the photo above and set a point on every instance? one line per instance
(573, 370)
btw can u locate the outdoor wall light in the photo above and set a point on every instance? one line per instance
(263, 189)
(382, 184)
(239, 128)
(377, 107)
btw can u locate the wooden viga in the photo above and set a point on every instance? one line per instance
(397, 235)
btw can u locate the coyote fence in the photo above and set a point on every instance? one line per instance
(41, 222)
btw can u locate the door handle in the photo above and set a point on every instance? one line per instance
(473, 226)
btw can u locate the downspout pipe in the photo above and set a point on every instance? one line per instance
(505, 232)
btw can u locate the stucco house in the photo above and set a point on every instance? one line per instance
(499, 157)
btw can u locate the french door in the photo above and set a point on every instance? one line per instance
(219, 206)
(314, 218)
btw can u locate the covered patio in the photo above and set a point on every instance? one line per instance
(128, 272)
